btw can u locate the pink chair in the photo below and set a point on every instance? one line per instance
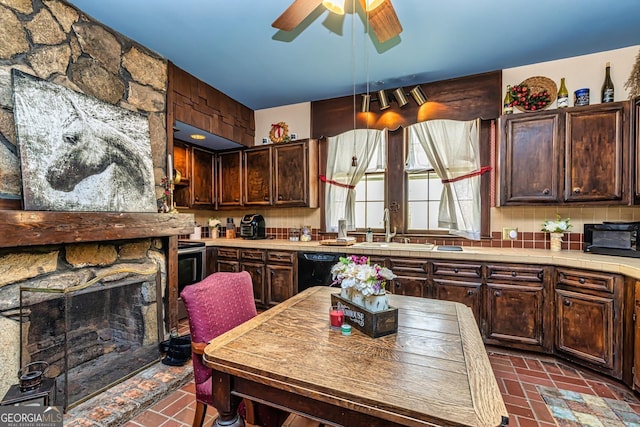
(215, 305)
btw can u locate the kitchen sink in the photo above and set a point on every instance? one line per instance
(396, 246)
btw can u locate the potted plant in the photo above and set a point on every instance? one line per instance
(214, 227)
(556, 229)
(362, 283)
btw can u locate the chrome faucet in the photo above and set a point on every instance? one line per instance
(388, 235)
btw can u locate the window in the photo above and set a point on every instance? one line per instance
(423, 200)
(370, 201)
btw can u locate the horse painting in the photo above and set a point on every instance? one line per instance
(79, 153)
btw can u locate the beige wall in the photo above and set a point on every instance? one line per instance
(579, 72)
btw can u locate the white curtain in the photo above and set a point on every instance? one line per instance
(341, 176)
(453, 150)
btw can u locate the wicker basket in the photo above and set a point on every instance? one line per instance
(538, 84)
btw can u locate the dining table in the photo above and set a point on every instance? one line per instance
(434, 371)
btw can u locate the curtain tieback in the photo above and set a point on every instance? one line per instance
(476, 172)
(323, 178)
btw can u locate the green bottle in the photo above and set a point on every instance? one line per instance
(507, 106)
(563, 95)
(607, 86)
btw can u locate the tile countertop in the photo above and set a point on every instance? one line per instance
(576, 259)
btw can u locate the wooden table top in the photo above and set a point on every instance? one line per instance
(433, 371)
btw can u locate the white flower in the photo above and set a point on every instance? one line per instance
(559, 226)
(356, 272)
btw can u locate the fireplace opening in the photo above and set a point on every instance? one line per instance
(91, 338)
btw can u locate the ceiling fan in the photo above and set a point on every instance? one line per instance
(381, 14)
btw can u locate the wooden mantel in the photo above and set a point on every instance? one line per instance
(30, 228)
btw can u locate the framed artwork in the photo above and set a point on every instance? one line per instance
(78, 153)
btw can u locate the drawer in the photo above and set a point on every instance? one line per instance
(457, 269)
(231, 253)
(595, 281)
(515, 273)
(252, 254)
(408, 265)
(281, 256)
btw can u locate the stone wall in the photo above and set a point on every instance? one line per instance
(61, 268)
(54, 41)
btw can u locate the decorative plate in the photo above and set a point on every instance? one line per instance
(534, 99)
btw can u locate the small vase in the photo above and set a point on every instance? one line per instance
(346, 293)
(556, 241)
(214, 232)
(376, 303)
(357, 298)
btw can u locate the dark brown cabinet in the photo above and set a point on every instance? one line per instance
(573, 155)
(202, 183)
(258, 170)
(589, 319)
(515, 298)
(531, 158)
(252, 261)
(412, 277)
(228, 259)
(230, 179)
(295, 182)
(281, 275)
(459, 282)
(635, 380)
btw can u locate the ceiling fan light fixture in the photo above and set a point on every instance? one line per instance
(372, 4)
(197, 136)
(418, 95)
(366, 102)
(335, 6)
(383, 100)
(400, 97)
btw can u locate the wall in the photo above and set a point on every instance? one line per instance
(296, 116)
(581, 71)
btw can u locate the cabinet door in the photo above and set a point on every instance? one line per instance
(280, 279)
(514, 315)
(467, 293)
(530, 157)
(256, 271)
(636, 337)
(257, 176)
(202, 181)
(230, 178)
(291, 172)
(585, 327)
(182, 160)
(596, 146)
(227, 265)
(412, 277)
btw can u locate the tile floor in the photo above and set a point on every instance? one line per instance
(518, 376)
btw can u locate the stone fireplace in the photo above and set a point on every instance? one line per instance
(92, 311)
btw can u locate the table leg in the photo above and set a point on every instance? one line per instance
(226, 403)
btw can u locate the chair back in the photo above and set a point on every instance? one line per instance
(215, 305)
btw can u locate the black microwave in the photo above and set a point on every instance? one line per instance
(612, 238)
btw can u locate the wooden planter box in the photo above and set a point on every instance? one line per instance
(373, 324)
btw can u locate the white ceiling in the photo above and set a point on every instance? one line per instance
(232, 46)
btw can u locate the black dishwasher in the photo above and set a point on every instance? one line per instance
(314, 268)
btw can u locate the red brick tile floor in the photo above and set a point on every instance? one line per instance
(517, 374)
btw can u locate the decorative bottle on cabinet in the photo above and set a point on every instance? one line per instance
(563, 95)
(507, 107)
(607, 86)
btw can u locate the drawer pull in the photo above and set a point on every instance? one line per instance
(497, 293)
(577, 190)
(397, 284)
(470, 292)
(455, 270)
(540, 275)
(567, 303)
(546, 191)
(581, 280)
(514, 274)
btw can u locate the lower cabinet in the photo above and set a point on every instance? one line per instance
(412, 277)
(228, 259)
(516, 301)
(459, 282)
(281, 276)
(252, 261)
(589, 319)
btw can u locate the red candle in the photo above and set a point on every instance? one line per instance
(336, 316)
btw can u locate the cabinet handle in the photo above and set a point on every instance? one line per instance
(197, 199)
(540, 275)
(397, 283)
(497, 293)
(266, 198)
(233, 268)
(236, 200)
(470, 292)
(546, 191)
(577, 190)
(455, 270)
(514, 274)
(259, 272)
(279, 197)
(567, 303)
(581, 280)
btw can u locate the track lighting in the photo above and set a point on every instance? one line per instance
(382, 100)
(366, 100)
(400, 97)
(418, 95)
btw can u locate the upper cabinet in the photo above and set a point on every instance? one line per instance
(296, 174)
(573, 155)
(195, 166)
(258, 172)
(230, 179)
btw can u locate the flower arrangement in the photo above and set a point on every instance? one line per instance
(561, 225)
(524, 98)
(214, 223)
(358, 273)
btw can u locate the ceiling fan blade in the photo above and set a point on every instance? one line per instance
(383, 21)
(295, 14)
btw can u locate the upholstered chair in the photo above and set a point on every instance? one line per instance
(217, 304)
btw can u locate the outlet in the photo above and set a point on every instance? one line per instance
(294, 136)
(509, 233)
(265, 140)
